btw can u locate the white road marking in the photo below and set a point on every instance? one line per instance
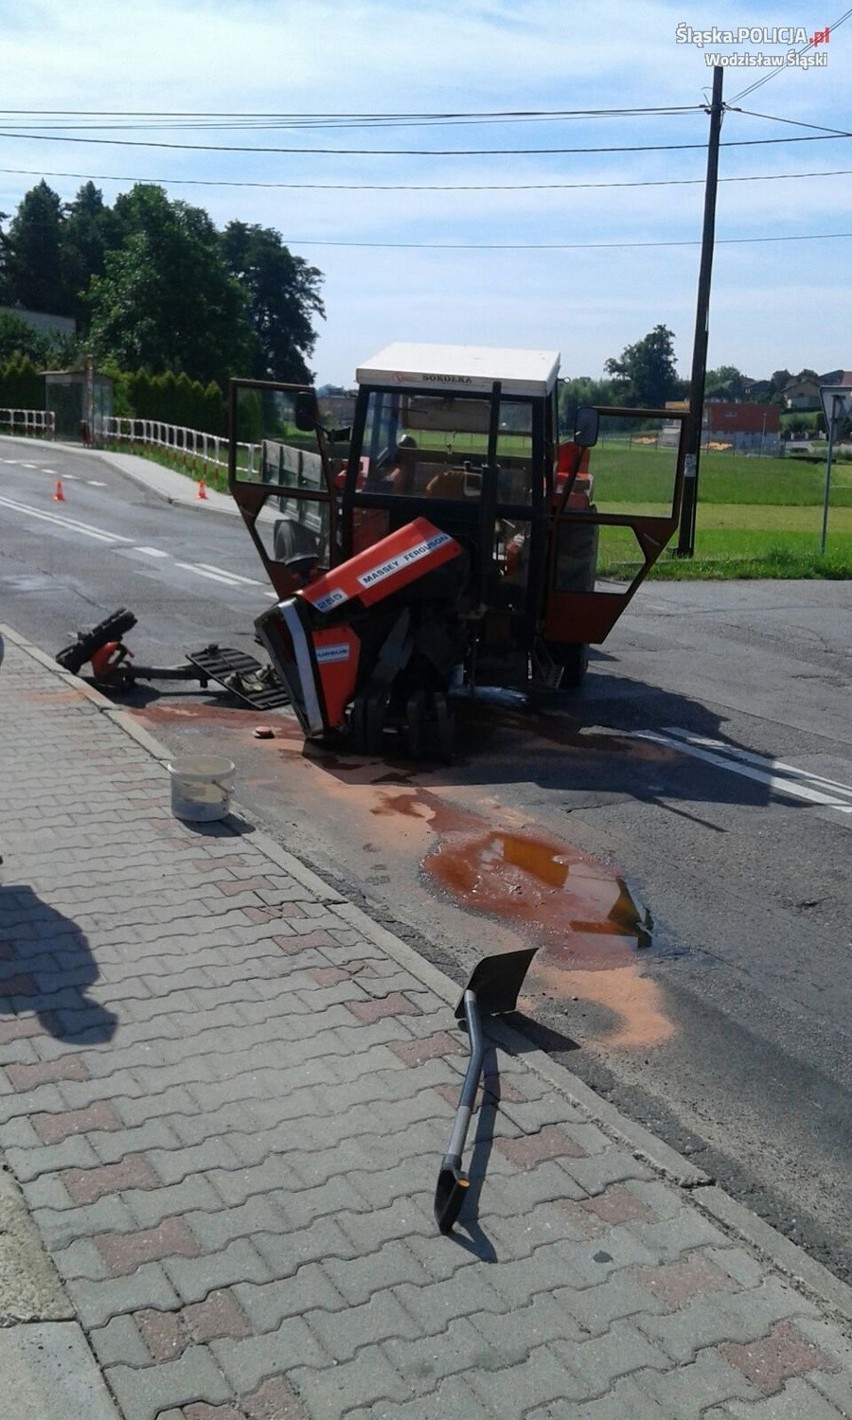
(213, 576)
(249, 581)
(781, 778)
(201, 569)
(62, 521)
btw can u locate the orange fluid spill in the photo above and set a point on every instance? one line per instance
(634, 999)
(578, 909)
(532, 889)
(581, 914)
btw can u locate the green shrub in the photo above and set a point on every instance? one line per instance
(21, 385)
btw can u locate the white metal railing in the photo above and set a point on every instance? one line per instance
(29, 421)
(193, 443)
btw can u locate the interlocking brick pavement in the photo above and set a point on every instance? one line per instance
(225, 1094)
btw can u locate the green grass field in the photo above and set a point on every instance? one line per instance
(756, 517)
(643, 475)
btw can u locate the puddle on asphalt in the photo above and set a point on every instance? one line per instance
(582, 915)
(590, 928)
(579, 911)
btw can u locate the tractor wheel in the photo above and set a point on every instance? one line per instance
(358, 725)
(573, 660)
(444, 727)
(73, 657)
(429, 727)
(415, 724)
(377, 705)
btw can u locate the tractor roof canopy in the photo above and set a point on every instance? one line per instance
(462, 368)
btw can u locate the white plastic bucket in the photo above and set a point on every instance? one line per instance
(201, 787)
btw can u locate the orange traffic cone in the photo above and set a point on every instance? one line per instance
(59, 496)
(202, 488)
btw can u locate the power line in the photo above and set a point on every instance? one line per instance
(167, 119)
(419, 152)
(555, 246)
(774, 72)
(795, 122)
(420, 187)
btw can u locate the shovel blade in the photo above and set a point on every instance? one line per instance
(449, 1196)
(496, 981)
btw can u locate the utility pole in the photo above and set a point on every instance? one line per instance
(686, 536)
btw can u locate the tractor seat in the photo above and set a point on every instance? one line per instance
(294, 542)
(455, 483)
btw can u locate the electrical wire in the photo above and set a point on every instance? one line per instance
(556, 246)
(795, 122)
(423, 186)
(311, 121)
(422, 152)
(774, 72)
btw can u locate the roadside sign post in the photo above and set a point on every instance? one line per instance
(836, 401)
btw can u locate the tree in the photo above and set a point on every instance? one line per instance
(725, 383)
(32, 259)
(283, 295)
(5, 289)
(648, 369)
(778, 381)
(87, 232)
(165, 300)
(18, 339)
(21, 385)
(582, 389)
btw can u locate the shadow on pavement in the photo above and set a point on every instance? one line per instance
(46, 967)
(476, 1241)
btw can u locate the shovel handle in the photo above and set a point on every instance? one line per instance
(452, 1182)
(467, 1098)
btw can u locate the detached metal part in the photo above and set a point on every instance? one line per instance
(492, 990)
(113, 666)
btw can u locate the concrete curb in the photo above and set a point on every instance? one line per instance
(786, 1257)
(31, 1287)
(48, 1371)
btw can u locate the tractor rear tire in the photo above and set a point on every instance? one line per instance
(573, 660)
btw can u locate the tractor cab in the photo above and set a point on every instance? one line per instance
(466, 438)
(447, 538)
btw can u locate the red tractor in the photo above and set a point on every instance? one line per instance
(447, 540)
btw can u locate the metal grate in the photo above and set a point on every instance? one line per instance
(255, 684)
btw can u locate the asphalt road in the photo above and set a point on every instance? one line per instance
(675, 838)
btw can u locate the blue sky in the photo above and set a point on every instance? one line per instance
(483, 247)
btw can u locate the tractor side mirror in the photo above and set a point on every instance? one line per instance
(306, 411)
(586, 424)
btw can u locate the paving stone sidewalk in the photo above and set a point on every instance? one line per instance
(225, 1094)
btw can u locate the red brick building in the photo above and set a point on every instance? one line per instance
(735, 417)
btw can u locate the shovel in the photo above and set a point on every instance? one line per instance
(492, 990)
